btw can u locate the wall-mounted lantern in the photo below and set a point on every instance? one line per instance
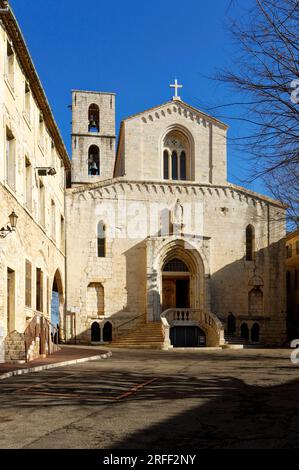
(46, 171)
(11, 227)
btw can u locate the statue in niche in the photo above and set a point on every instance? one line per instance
(178, 218)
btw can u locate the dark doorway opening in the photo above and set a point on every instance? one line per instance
(175, 293)
(107, 332)
(255, 332)
(187, 337)
(182, 293)
(244, 331)
(95, 332)
(231, 324)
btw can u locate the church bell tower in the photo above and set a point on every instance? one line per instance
(93, 136)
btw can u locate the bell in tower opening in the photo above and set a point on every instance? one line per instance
(93, 136)
(93, 161)
(93, 118)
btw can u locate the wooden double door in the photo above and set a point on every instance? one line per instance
(175, 293)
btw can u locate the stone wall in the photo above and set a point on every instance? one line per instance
(39, 242)
(227, 278)
(140, 153)
(82, 139)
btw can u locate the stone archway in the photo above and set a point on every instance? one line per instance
(107, 332)
(198, 274)
(57, 304)
(95, 332)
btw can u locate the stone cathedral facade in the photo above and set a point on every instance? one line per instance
(162, 250)
(139, 240)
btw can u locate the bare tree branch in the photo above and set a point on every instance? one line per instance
(267, 64)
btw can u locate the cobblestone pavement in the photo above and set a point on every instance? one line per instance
(157, 400)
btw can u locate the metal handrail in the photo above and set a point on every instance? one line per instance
(128, 321)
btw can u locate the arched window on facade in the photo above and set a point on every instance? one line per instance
(166, 165)
(183, 166)
(93, 160)
(175, 265)
(101, 240)
(176, 156)
(174, 166)
(93, 118)
(250, 243)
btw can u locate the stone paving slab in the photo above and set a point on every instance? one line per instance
(66, 356)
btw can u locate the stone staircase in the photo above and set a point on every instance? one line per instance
(14, 348)
(234, 342)
(144, 336)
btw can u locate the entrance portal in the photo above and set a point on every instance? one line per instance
(175, 285)
(175, 292)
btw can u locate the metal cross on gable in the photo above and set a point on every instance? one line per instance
(176, 86)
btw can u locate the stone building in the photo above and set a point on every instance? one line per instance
(32, 257)
(151, 246)
(161, 249)
(292, 281)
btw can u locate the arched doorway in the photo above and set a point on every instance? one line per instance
(231, 324)
(255, 332)
(244, 331)
(57, 306)
(175, 284)
(197, 273)
(95, 332)
(107, 332)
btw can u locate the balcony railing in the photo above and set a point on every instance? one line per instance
(208, 321)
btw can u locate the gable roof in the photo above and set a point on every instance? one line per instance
(15, 34)
(182, 103)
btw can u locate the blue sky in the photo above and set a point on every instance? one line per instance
(135, 49)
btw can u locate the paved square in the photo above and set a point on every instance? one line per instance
(156, 399)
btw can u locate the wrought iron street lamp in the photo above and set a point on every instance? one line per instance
(46, 171)
(11, 227)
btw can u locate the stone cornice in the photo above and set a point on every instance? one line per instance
(97, 135)
(14, 32)
(118, 186)
(91, 92)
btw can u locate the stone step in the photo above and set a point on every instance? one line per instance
(230, 339)
(150, 343)
(137, 346)
(143, 336)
